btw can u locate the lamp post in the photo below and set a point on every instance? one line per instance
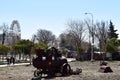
(92, 34)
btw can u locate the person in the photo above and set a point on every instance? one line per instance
(56, 53)
(8, 60)
(12, 60)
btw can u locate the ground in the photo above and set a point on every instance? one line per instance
(90, 72)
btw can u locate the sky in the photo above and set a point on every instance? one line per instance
(53, 15)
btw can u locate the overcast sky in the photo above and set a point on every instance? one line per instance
(54, 14)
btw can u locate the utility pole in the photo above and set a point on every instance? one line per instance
(92, 34)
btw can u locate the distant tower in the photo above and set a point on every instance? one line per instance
(15, 32)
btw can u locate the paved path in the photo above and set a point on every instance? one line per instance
(14, 64)
(71, 59)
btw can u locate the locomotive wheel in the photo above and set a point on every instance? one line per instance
(65, 69)
(37, 73)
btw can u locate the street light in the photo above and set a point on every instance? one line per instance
(92, 34)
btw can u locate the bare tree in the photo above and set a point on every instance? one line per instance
(4, 29)
(15, 32)
(65, 41)
(102, 33)
(45, 36)
(76, 31)
(33, 38)
(91, 28)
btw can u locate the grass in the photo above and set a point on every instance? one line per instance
(4, 68)
(86, 72)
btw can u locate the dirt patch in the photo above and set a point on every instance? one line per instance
(89, 72)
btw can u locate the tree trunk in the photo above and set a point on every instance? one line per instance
(30, 57)
(3, 38)
(19, 56)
